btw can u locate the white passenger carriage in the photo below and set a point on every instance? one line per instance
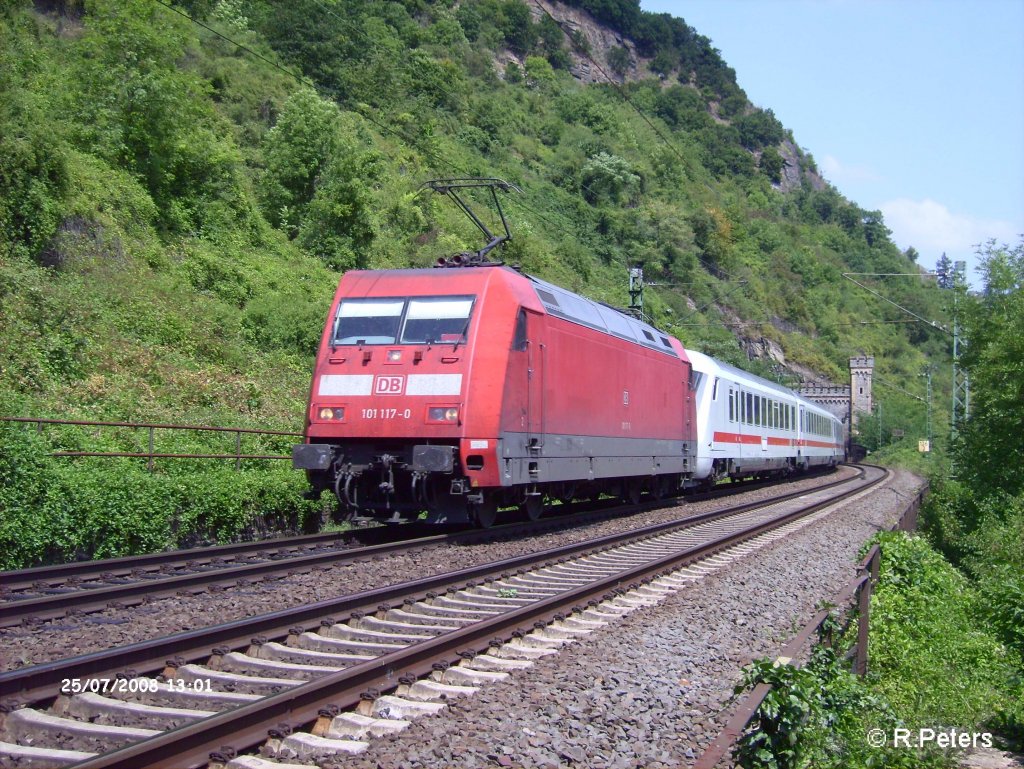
(748, 426)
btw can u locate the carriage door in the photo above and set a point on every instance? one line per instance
(766, 421)
(802, 442)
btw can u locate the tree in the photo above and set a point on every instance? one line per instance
(759, 129)
(682, 107)
(875, 231)
(619, 60)
(338, 227)
(538, 71)
(517, 26)
(608, 177)
(944, 271)
(137, 108)
(991, 445)
(550, 34)
(296, 151)
(771, 164)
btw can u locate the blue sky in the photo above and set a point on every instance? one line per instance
(911, 107)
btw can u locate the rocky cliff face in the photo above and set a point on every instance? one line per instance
(594, 67)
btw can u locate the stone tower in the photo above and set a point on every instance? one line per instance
(861, 370)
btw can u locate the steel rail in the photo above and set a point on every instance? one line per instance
(42, 681)
(78, 601)
(244, 727)
(21, 579)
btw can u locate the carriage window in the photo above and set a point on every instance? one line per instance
(749, 413)
(714, 390)
(730, 406)
(368, 321)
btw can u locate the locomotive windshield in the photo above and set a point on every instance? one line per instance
(440, 319)
(368, 321)
(417, 320)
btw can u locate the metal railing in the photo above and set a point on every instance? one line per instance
(859, 588)
(151, 427)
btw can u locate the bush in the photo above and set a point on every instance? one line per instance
(932, 664)
(930, 656)
(817, 716)
(291, 323)
(995, 558)
(61, 509)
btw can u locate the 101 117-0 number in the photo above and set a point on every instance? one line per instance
(387, 414)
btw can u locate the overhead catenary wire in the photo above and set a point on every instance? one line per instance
(243, 47)
(931, 323)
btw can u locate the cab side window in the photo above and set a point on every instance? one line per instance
(519, 338)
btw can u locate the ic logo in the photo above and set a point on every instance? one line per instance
(389, 385)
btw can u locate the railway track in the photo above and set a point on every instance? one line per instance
(360, 665)
(30, 596)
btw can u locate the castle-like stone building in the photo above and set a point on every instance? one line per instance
(847, 402)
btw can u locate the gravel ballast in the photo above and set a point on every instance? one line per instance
(651, 690)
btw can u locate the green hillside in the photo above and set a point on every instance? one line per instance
(182, 185)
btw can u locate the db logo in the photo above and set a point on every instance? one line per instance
(389, 385)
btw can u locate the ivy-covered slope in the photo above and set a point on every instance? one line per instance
(182, 184)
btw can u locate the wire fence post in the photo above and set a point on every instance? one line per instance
(864, 607)
(238, 450)
(151, 462)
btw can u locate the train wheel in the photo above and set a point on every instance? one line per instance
(631, 490)
(485, 514)
(533, 507)
(662, 487)
(443, 506)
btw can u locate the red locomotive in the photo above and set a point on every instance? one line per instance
(456, 392)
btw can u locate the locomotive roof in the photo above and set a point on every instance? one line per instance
(556, 301)
(578, 309)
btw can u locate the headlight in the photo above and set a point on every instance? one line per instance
(445, 414)
(330, 413)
